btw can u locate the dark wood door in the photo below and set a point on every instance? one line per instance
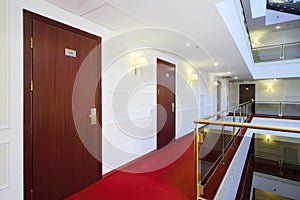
(61, 164)
(166, 103)
(247, 93)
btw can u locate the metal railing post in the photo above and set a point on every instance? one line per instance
(241, 113)
(244, 111)
(281, 52)
(196, 150)
(233, 128)
(280, 109)
(223, 140)
(247, 111)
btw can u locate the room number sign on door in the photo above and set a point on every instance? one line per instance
(70, 52)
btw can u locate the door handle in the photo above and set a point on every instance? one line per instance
(93, 116)
(173, 107)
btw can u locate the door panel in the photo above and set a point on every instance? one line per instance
(61, 165)
(166, 99)
(247, 93)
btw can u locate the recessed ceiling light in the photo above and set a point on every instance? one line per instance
(235, 77)
(228, 73)
(277, 27)
(216, 64)
(188, 44)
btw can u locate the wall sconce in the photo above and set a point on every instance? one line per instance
(255, 42)
(192, 77)
(268, 137)
(215, 84)
(138, 63)
(269, 89)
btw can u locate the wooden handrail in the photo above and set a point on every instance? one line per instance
(243, 109)
(247, 125)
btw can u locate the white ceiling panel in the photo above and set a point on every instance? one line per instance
(78, 7)
(169, 25)
(276, 17)
(111, 18)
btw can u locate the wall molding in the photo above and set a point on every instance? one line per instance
(187, 107)
(4, 166)
(4, 70)
(133, 115)
(143, 146)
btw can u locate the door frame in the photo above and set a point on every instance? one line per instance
(28, 17)
(174, 66)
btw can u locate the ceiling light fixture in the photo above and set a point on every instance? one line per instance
(188, 44)
(277, 27)
(216, 64)
(235, 77)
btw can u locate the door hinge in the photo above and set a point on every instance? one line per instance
(31, 43)
(31, 85)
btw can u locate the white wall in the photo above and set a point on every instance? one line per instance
(277, 69)
(279, 37)
(232, 14)
(277, 185)
(129, 117)
(280, 90)
(11, 139)
(4, 68)
(4, 98)
(129, 105)
(267, 90)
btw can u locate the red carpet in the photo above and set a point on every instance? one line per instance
(173, 182)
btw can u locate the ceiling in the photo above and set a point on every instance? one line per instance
(288, 6)
(195, 30)
(275, 27)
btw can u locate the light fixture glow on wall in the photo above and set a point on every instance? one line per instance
(192, 77)
(255, 42)
(138, 63)
(268, 137)
(269, 89)
(215, 83)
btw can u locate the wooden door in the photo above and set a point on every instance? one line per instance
(166, 103)
(247, 93)
(57, 163)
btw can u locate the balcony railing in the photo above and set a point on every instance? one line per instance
(216, 134)
(276, 53)
(278, 108)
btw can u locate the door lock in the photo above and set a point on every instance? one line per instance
(173, 107)
(93, 116)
